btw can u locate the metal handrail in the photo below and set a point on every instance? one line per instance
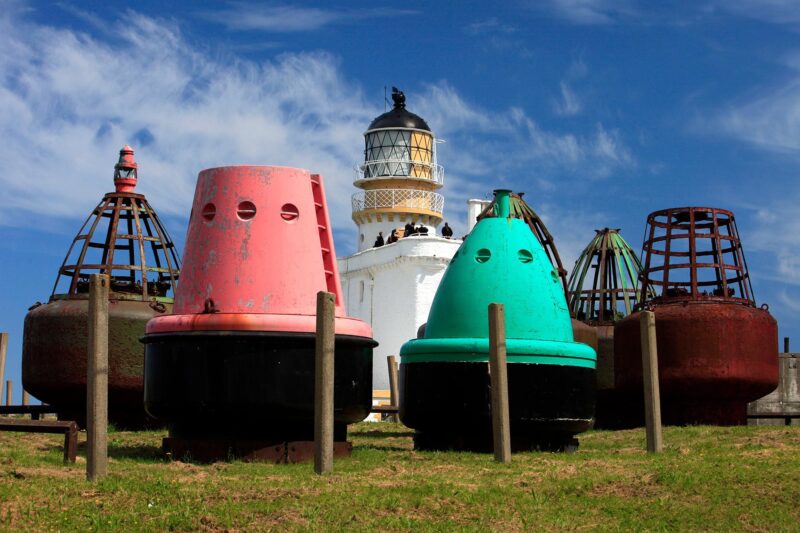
(398, 168)
(389, 198)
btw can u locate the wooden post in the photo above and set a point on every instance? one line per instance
(499, 380)
(97, 380)
(323, 384)
(26, 398)
(9, 389)
(394, 391)
(785, 345)
(652, 395)
(3, 350)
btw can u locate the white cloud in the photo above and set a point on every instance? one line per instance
(71, 100)
(290, 18)
(509, 141)
(783, 12)
(587, 12)
(767, 116)
(569, 104)
(489, 26)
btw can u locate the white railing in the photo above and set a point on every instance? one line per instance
(399, 168)
(388, 198)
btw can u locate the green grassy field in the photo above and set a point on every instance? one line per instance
(743, 478)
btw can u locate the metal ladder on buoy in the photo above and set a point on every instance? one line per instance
(326, 239)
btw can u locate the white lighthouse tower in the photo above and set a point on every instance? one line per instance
(391, 287)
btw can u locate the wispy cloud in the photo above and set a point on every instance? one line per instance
(606, 12)
(782, 12)
(489, 26)
(587, 12)
(287, 18)
(68, 108)
(568, 104)
(509, 141)
(768, 117)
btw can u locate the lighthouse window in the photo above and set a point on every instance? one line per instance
(524, 256)
(388, 153)
(361, 292)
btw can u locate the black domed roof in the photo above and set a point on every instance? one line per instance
(399, 117)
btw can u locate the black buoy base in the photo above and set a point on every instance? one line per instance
(237, 386)
(449, 405)
(265, 449)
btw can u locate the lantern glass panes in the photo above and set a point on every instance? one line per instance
(422, 151)
(388, 153)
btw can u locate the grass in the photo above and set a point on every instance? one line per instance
(708, 478)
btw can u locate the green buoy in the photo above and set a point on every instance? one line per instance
(445, 382)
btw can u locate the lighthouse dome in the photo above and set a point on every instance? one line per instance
(398, 116)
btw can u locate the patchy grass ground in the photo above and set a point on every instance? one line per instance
(744, 478)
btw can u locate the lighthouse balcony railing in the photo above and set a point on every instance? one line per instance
(398, 198)
(400, 168)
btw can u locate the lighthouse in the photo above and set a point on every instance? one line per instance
(391, 286)
(399, 176)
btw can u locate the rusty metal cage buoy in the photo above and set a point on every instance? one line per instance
(123, 238)
(717, 350)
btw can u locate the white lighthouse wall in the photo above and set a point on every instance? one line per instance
(370, 230)
(399, 282)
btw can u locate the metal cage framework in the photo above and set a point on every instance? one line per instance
(521, 210)
(603, 286)
(126, 240)
(694, 253)
(397, 198)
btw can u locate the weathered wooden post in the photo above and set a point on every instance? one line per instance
(786, 345)
(652, 396)
(3, 350)
(499, 381)
(9, 389)
(26, 398)
(323, 384)
(394, 389)
(97, 380)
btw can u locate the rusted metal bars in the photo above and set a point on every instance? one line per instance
(498, 371)
(652, 396)
(97, 379)
(323, 383)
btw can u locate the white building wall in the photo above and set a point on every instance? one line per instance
(400, 281)
(369, 230)
(474, 208)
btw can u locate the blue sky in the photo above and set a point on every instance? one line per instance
(600, 110)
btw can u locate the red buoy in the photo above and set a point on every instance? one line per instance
(235, 362)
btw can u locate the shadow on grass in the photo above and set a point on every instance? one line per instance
(122, 451)
(377, 434)
(380, 448)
